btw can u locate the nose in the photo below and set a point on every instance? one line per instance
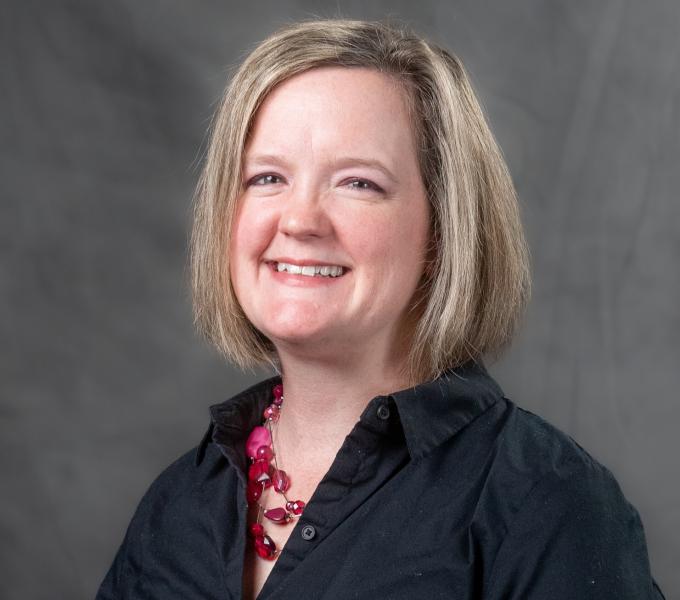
(303, 214)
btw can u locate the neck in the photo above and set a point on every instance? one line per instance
(323, 400)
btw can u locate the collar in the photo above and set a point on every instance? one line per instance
(426, 415)
(435, 411)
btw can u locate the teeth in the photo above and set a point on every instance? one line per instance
(310, 270)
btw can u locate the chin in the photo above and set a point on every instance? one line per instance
(288, 319)
(299, 334)
(295, 335)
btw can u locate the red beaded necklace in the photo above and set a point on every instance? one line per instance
(262, 474)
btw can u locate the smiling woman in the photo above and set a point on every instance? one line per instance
(356, 228)
(406, 123)
(309, 212)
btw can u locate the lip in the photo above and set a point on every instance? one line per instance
(303, 280)
(306, 262)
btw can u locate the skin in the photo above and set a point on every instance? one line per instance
(308, 205)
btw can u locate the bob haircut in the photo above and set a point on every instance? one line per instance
(476, 281)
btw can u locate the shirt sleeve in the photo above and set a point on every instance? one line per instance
(126, 563)
(575, 536)
(158, 556)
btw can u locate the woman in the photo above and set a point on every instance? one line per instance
(357, 229)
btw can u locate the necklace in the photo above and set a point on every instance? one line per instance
(263, 474)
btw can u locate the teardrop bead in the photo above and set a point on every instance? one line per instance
(265, 547)
(281, 481)
(259, 436)
(278, 391)
(278, 515)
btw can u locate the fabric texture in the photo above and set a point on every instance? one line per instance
(452, 492)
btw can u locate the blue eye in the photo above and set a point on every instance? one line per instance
(364, 185)
(268, 177)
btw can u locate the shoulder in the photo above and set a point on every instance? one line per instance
(181, 491)
(178, 480)
(538, 465)
(534, 453)
(551, 471)
(566, 523)
(170, 528)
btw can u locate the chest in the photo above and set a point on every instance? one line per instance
(256, 570)
(255, 574)
(381, 518)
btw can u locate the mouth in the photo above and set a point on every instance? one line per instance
(309, 270)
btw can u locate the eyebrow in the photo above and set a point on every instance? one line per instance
(338, 162)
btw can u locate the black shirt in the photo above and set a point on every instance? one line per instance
(444, 490)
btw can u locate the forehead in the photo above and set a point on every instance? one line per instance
(326, 107)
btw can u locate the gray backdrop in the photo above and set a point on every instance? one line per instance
(104, 107)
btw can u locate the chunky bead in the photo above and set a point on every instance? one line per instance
(280, 480)
(278, 515)
(264, 453)
(259, 471)
(259, 436)
(295, 506)
(265, 547)
(256, 529)
(253, 491)
(271, 412)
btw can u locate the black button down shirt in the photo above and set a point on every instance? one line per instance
(444, 490)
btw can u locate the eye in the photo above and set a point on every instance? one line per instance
(363, 184)
(264, 179)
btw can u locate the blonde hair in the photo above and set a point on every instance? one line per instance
(477, 283)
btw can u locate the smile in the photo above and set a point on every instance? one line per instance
(309, 270)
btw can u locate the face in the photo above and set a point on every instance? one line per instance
(331, 187)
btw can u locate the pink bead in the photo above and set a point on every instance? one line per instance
(278, 391)
(259, 436)
(280, 480)
(265, 547)
(253, 491)
(278, 515)
(271, 412)
(264, 453)
(295, 507)
(258, 471)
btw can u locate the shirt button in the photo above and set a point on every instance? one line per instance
(308, 532)
(383, 412)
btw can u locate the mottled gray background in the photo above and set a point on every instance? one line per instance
(103, 112)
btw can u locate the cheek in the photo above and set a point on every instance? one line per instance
(392, 248)
(250, 234)
(248, 242)
(406, 252)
